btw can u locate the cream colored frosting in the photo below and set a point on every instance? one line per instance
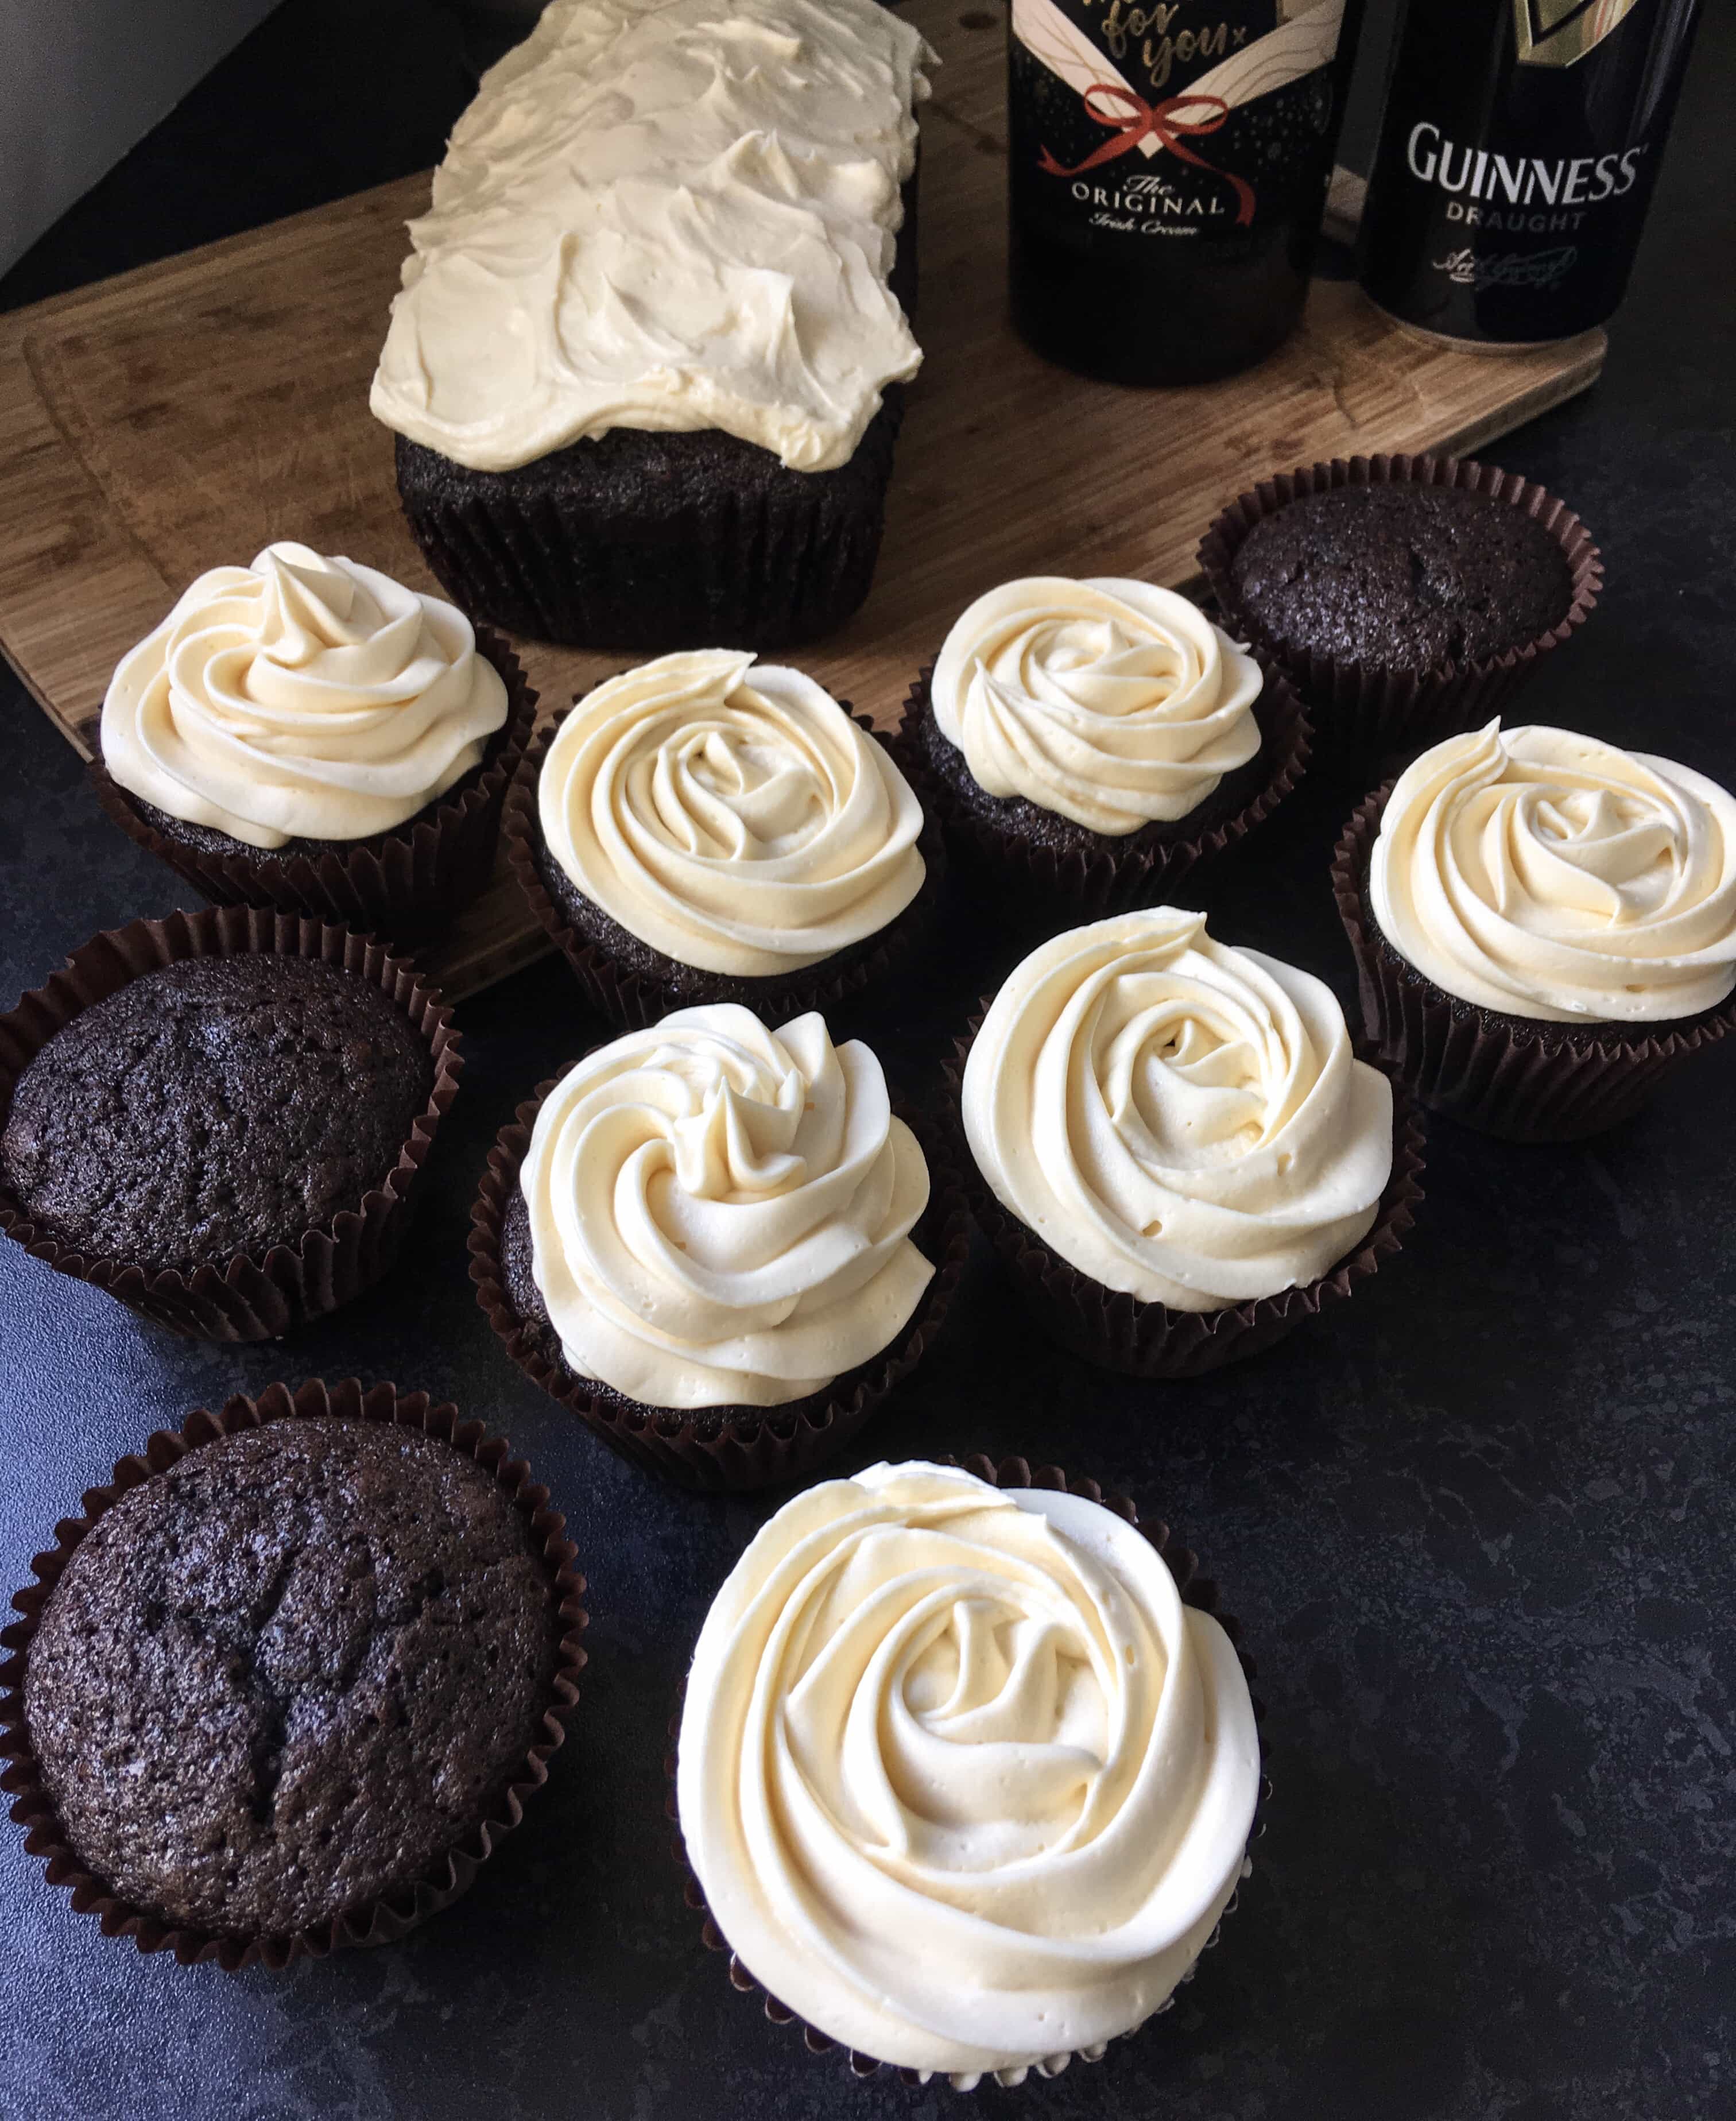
(1116, 703)
(1177, 1119)
(300, 698)
(730, 815)
(720, 1214)
(966, 1784)
(1546, 874)
(665, 214)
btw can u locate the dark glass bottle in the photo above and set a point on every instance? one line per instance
(1518, 153)
(1169, 167)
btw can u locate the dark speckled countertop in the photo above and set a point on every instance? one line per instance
(1477, 1523)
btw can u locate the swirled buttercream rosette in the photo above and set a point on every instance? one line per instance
(967, 1770)
(1090, 740)
(1174, 1147)
(1587, 887)
(310, 734)
(736, 813)
(389, 1916)
(1365, 712)
(719, 1246)
(250, 1296)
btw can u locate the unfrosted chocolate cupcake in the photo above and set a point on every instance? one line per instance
(277, 1681)
(291, 1675)
(1407, 596)
(308, 734)
(219, 1117)
(219, 1105)
(707, 829)
(1400, 578)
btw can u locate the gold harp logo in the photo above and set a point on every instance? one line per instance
(1557, 33)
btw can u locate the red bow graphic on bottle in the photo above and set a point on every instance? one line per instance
(1165, 122)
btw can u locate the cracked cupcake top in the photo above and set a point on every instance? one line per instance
(280, 1677)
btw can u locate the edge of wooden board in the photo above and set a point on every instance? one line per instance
(497, 936)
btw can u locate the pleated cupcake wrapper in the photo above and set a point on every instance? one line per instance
(250, 1296)
(1120, 1332)
(379, 1921)
(1358, 711)
(433, 865)
(769, 1447)
(623, 566)
(635, 998)
(1197, 1591)
(779, 566)
(1522, 1080)
(1116, 873)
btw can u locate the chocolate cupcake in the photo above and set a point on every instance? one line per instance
(292, 1677)
(1172, 1147)
(709, 829)
(1544, 927)
(218, 1117)
(1407, 596)
(952, 1646)
(1083, 742)
(308, 734)
(640, 423)
(717, 1244)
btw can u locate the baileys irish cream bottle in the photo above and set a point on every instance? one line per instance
(1169, 169)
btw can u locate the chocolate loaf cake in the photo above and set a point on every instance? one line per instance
(646, 372)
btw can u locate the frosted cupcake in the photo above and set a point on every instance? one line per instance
(1088, 739)
(1176, 1151)
(964, 1784)
(308, 734)
(1544, 926)
(717, 1243)
(707, 828)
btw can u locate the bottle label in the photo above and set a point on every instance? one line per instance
(1173, 119)
(1560, 33)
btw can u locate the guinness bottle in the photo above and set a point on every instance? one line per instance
(1517, 157)
(1169, 165)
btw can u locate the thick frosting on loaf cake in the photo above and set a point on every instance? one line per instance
(669, 214)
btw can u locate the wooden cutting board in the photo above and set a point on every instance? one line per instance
(183, 416)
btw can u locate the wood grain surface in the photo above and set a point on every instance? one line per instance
(180, 416)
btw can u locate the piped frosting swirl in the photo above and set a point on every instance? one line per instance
(720, 1214)
(1114, 703)
(730, 815)
(300, 698)
(1177, 1120)
(1545, 874)
(966, 1784)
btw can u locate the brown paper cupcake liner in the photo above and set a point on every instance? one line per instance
(250, 1296)
(636, 996)
(397, 884)
(1114, 874)
(649, 542)
(1520, 1078)
(655, 542)
(1117, 1331)
(771, 1445)
(1356, 709)
(1197, 1591)
(379, 1921)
